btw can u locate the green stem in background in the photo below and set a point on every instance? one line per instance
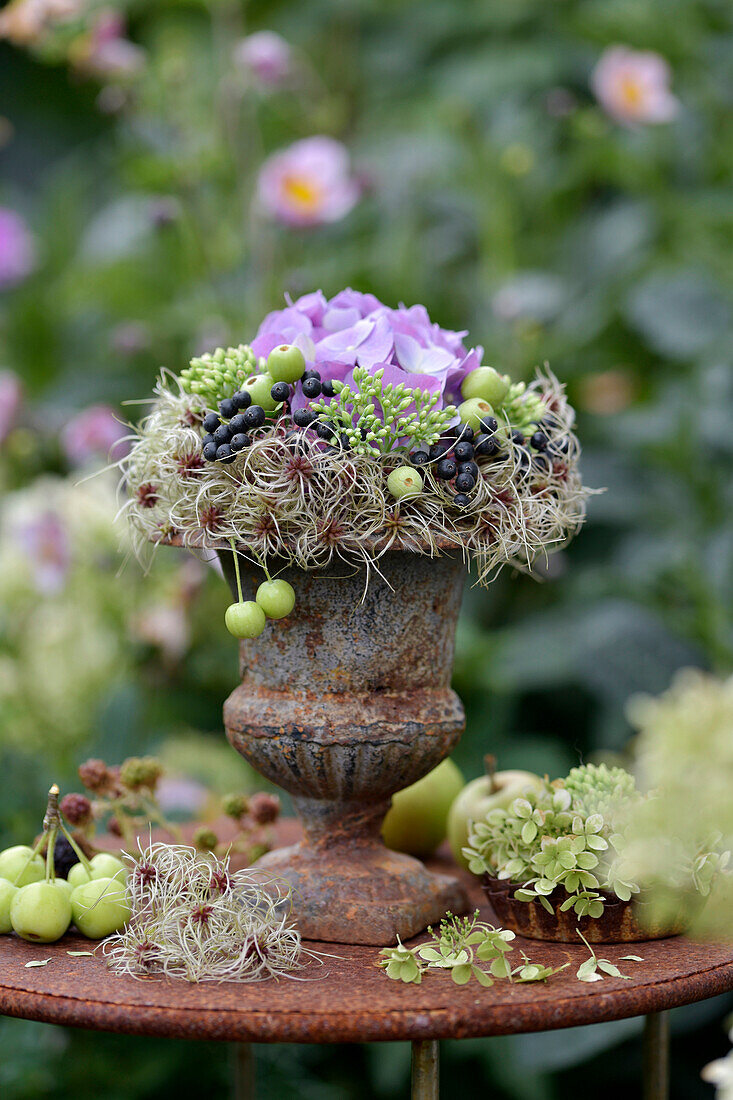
(155, 814)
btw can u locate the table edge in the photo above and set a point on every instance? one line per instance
(260, 1026)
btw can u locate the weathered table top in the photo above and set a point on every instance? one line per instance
(347, 999)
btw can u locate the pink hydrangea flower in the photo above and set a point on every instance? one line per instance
(633, 86)
(11, 395)
(17, 252)
(266, 57)
(355, 329)
(93, 434)
(309, 183)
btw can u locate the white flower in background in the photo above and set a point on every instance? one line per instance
(309, 183)
(265, 57)
(720, 1074)
(633, 86)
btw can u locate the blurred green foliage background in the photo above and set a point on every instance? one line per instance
(501, 192)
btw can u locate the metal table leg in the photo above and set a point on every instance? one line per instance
(244, 1071)
(425, 1070)
(656, 1056)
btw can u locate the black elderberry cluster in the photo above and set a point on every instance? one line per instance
(455, 457)
(227, 432)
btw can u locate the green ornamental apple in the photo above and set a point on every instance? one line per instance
(486, 384)
(495, 790)
(417, 819)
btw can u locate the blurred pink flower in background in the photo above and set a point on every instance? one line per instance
(44, 541)
(92, 434)
(11, 395)
(309, 183)
(266, 57)
(17, 253)
(105, 52)
(633, 86)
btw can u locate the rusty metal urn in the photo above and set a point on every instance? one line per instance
(343, 703)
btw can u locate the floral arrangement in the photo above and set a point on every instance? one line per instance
(193, 917)
(574, 840)
(346, 429)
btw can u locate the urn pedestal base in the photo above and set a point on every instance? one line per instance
(349, 888)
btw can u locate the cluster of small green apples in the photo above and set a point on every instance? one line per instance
(40, 907)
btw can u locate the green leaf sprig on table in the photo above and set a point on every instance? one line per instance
(459, 946)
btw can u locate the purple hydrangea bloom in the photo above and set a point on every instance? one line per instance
(17, 253)
(355, 329)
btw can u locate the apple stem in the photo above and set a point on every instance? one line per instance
(490, 769)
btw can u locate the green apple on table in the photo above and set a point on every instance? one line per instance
(417, 820)
(495, 790)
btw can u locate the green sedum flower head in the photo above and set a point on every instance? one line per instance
(219, 374)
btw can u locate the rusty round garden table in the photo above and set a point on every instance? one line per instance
(347, 999)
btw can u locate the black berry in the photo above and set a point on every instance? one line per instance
(209, 451)
(222, 434)
(461, 500)
(539, 441)
(254, 416)
(207, 439)
(447, 469)
(227, 408)
(541, 462)
(345, 441)
(240, 441)
(211, 422)
(310, 374)
(438, 450)
(280, 392)
(465, 483)
(489, 424)
(327, 388)
(64, 856)
(468, 468)
(312, 387)
(419, 458)
(225, 453)
(237, 424)
(242, 399)
(463, 451)
(464, 432)
(518, 437)
(303, 417)
(485, 445)
(324, 431)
